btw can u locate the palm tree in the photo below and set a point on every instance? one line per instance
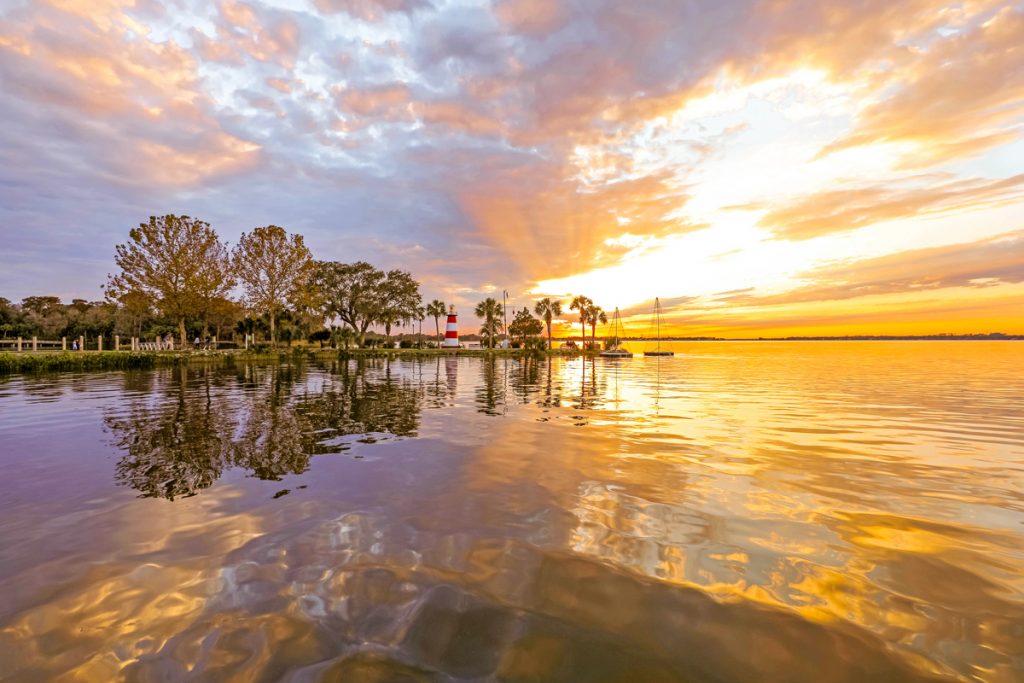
(580, 303)
(346, 335)
(490, 310)
(436, 309)
(595, 315)
(548, 309)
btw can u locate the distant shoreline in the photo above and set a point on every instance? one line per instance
(995, 336)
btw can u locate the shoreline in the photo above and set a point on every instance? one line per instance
(28, 362)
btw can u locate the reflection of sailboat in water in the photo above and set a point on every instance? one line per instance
(614, 350)
(657, 327)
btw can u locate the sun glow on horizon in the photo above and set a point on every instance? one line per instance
(747, 160)
(770, 159)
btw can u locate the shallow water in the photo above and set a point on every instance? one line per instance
(741, 511)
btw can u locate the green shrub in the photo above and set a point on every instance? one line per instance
(536, 344)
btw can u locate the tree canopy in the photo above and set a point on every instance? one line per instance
(595, 315)
(360, 295)
(274, 268)
(581, 303)
(176, 260)
(490, 310)
(399, 300)
(437, 310)
(524, 326)
(174, 272)
(547, 309)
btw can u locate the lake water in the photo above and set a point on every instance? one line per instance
(738, 512)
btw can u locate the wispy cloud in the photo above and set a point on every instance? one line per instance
(802, 152)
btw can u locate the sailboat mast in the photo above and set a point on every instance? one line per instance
(657, 328)
(657, 319)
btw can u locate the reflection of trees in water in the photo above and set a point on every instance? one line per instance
(551, 398)
(530, 380)
(439, 380)
(178, 445)
(195, 423)
(274, 439)
(363, 397)
(521, 376)
(525, 378)
(591, 389)
(490, 395)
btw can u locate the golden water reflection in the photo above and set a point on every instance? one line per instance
(799, 512)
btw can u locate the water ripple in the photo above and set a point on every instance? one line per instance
(800, 512)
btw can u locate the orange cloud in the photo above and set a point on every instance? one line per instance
(142, 100)
(981, 264)
(455, 116)
(371, 10)
(280, 84)
(242, 33)
(386, 102)
(954, 98)
(530, 16)
(850, 208)
(957, 311)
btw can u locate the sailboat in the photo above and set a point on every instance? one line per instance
(657, 325)
(614, 350)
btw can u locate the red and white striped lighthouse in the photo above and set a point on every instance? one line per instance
(451, 330)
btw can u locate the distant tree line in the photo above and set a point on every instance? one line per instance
(176, 276)
(48, 317)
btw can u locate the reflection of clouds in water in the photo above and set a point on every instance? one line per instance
(106, 615)
(649, 537)
(471, 607)
(919, 587)
(786, 511)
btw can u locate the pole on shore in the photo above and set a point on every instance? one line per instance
(81, 343)
(19, 344)
(117, 342)
(63, 343)
(99, 343)
(35, 343)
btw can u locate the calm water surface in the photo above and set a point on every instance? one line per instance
(739, 512)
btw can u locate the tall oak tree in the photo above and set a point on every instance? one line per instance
(178, 261)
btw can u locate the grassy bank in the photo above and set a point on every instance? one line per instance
(28, 362)
(122, 360)
(98, 360)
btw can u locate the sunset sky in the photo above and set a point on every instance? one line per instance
(764, 167)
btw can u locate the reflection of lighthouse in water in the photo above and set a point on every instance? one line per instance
(451, 371)
(451, 331)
